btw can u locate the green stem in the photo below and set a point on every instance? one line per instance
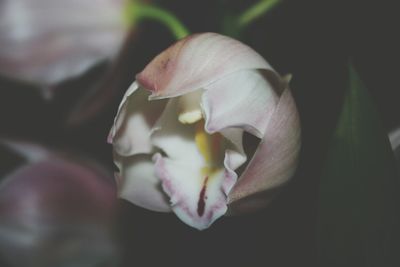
(260, 8)
(139, 12)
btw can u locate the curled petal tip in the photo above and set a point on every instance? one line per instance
(110, 137)
(287, 79)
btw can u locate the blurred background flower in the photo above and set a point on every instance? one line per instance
(56, 211)
(46, 42)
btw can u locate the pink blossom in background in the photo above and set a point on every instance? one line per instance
(56, 211)
(48, 41)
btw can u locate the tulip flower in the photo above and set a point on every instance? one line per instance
(48, 41)
(178, 133)
(56, 211)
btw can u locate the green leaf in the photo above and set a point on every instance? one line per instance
(359, 207)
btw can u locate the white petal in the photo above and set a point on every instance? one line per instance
(138, 183)
(234, 154)
(245, 99)
(136, 116)
(195, 62)
(174, 138)
(120, 113)
(198, 199)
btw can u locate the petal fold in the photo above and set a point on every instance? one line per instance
(245, 99)
(138, 183)
(135, 118)
(275, 159)
(195, 61)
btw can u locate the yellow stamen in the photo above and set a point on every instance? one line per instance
(203, 142)
(210, 147)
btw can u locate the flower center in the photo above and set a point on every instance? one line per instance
(211, 147)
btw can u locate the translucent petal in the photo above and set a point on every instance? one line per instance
(196, 61)
(245, 99)
(276, 158)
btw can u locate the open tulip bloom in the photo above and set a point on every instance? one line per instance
(178, 133)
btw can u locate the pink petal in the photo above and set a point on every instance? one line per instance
(244, 99)
(195, 62)
(139, 184)
(45, 184)
(275, 160)
(48, 41)
(136, 116)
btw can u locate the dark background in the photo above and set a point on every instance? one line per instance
(313, 40)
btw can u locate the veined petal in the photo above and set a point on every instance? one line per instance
(198, 196)
(136, 116)
(276, 158)
(137, 183)
(196, 61)
(245, 99)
